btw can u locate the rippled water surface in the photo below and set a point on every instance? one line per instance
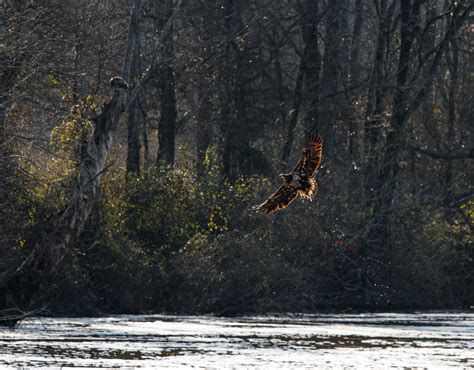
(440, 340)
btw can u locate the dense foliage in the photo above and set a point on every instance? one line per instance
(227, 100)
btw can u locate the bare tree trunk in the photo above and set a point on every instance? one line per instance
(374, 123)
(167, 124)
(203, 95)
(9, 70)
(132, 40)
(354, 76)
(295, 108)
(131, 71)
(146, 149)
(71, 222)
(311, 65)
(204, 129)
(133, 130)
(330, 77)
(281, 93)
(227, 77)
(7, 79)
(133, 143)
(354, 63)
(308, 72)
(453, 61)
(235, 131)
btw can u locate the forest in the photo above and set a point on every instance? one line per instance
(137, 137)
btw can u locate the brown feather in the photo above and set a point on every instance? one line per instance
(282, 197)
(308, 194)
(311, 157)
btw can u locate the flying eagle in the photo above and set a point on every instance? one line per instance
(301, 181)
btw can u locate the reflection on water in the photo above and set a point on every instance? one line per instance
(288, 341)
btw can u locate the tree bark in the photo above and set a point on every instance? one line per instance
(312, 65)
(295, 108)
(330, 78)
(133, 141)
(204, 129)
(131, 71)
(308, 77)
(132, 40)
(234, 128)
(374, 123)
(9, 69)
(203, 95)
(354, 76)
(453, 61)
(167, 123)
(11, 62)
(70, 223)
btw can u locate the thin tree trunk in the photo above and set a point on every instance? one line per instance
(453, 61)
(146, 149)
(204, 129)
(9, 71)
(295, 108)
(7, 80)
(311, 65)
(330, 77)
(354, 76)
(354, 63)
(167, 124)
(374, 123)
(203, 95)
(234, 123)
(131, 71)
(132, 41)
(133, 142)
(281, 93)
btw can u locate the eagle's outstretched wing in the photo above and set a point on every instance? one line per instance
(311, 157)
(282, 197)
(295, 183)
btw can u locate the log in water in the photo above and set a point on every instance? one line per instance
(286, 341)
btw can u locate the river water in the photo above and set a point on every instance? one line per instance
(427, 340)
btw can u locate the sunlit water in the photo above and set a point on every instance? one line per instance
(441, 340)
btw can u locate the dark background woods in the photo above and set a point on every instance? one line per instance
(221, 95)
